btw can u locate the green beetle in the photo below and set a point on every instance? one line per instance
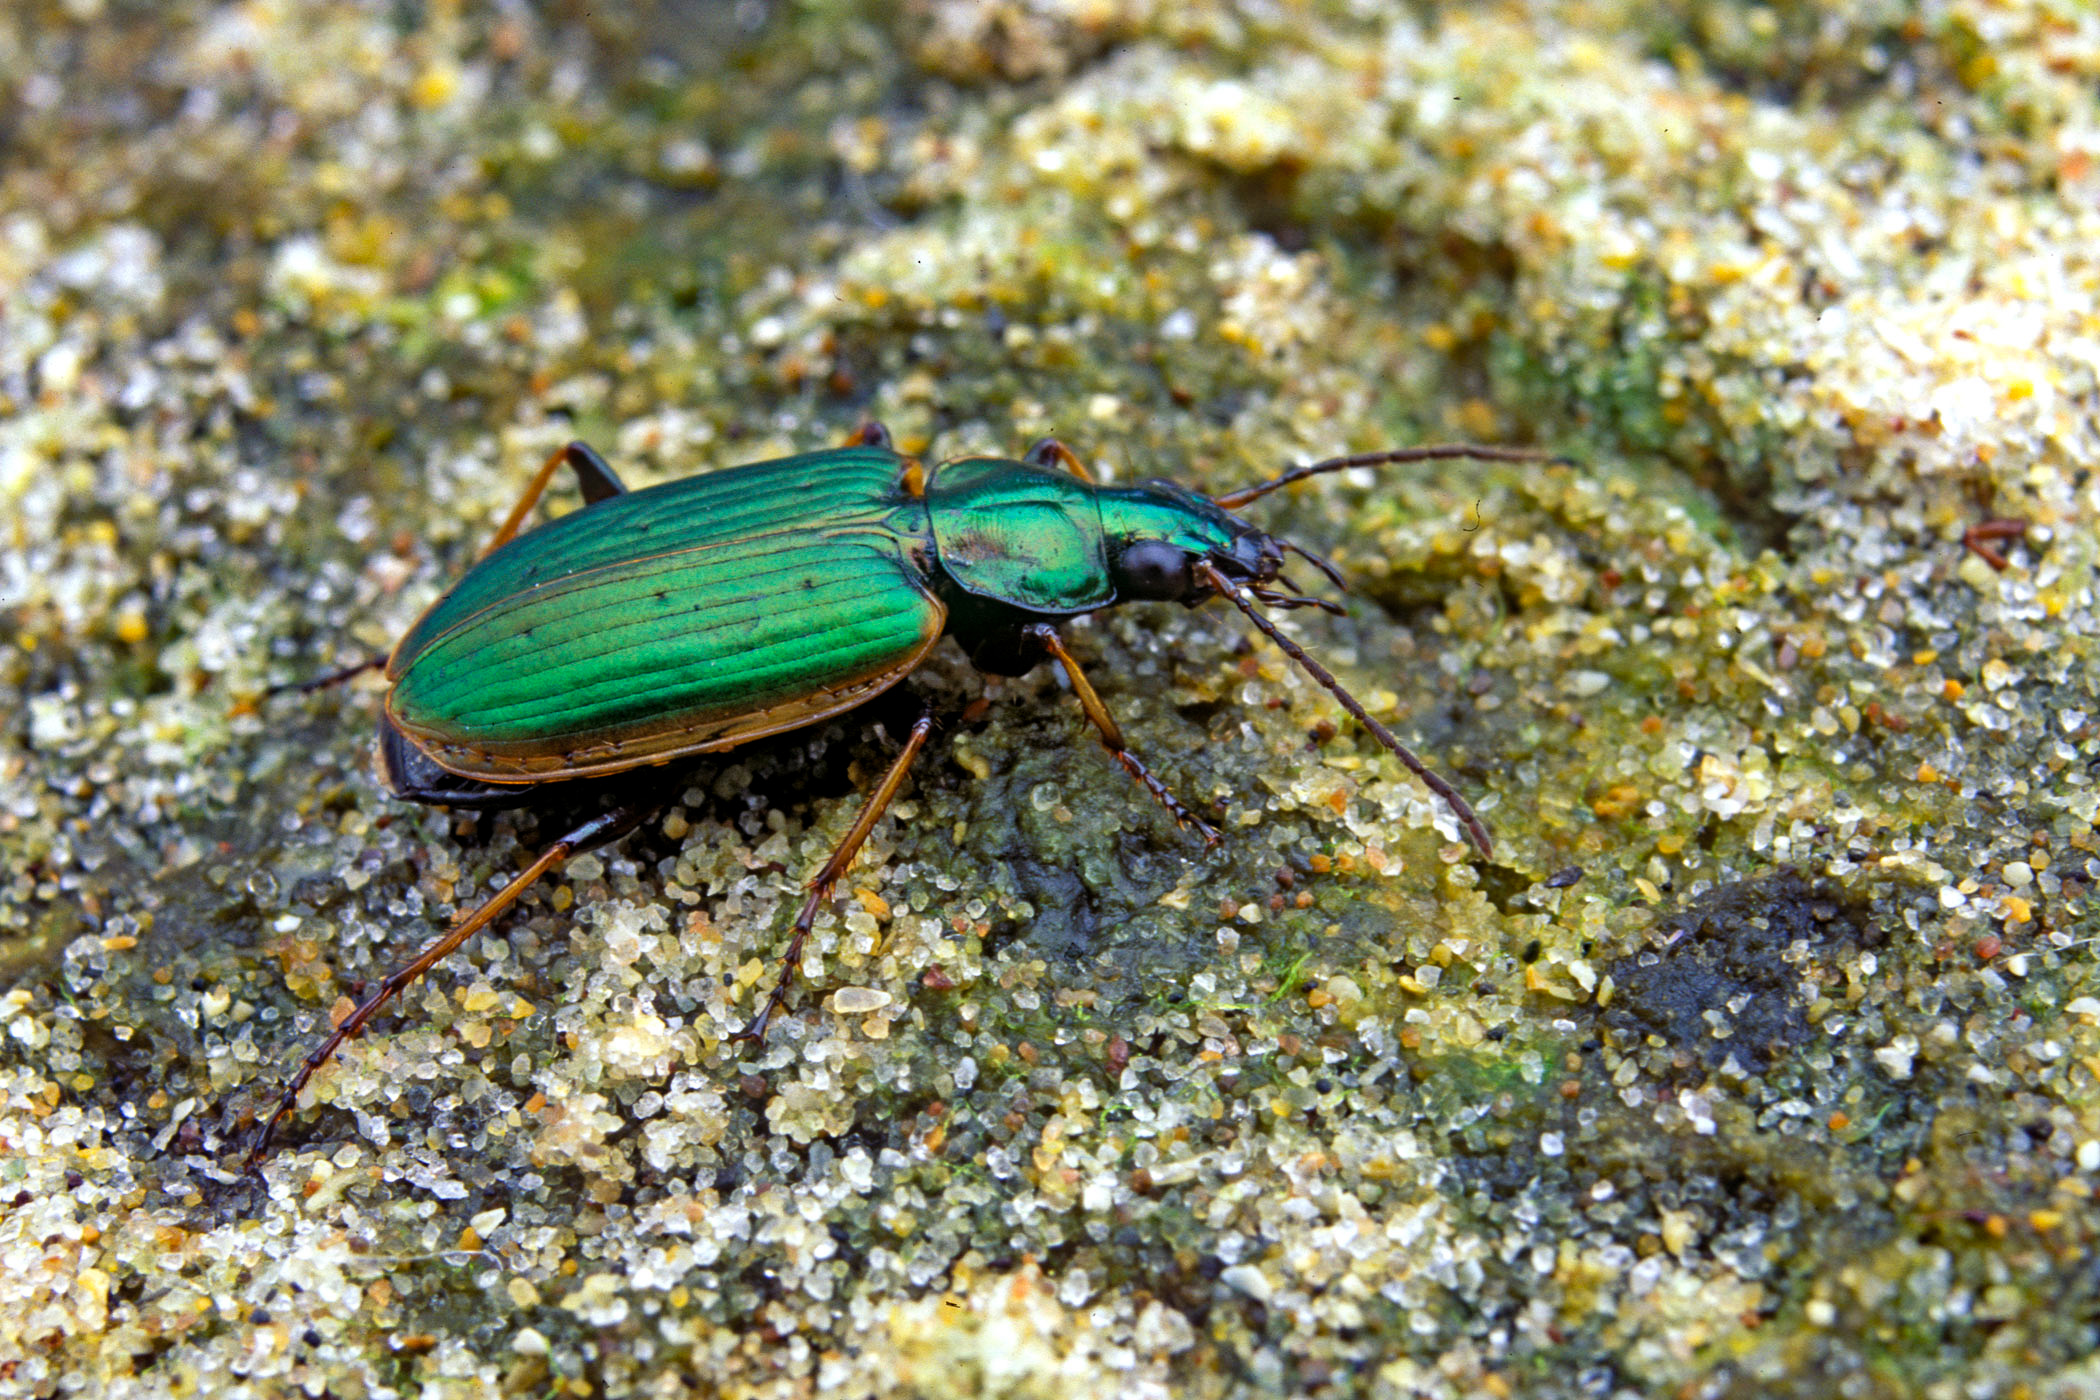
(700, 614)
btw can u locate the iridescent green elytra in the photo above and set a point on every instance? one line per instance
(700, 614)
(691, 616)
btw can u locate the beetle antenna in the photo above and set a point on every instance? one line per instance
(1476, 831)
(1233, 500)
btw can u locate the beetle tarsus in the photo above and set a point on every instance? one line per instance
(1046, 637)
(754, 1032)
(834, 869)
(603, 827)
(1182, 816)
(1980, 540)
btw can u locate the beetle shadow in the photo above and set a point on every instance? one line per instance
(1078, 856)
(789, 772)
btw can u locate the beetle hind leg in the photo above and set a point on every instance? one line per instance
(820, 884)
(606, 826)
(1044, 635)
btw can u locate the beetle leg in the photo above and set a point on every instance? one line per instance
(593, 477)
(606, 826)
(870, 434)
(1978, 537)
(820, 884)
(1050, 453)
(1240, 597)
(1112, 735)
(323, 682)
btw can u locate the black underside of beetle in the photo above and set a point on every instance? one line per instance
(415, 776)
(991, 633)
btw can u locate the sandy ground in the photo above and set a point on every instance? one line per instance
(1760, 1059)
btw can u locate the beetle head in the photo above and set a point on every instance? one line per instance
(1159, 532)
(1168, 544)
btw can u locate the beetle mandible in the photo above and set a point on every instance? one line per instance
(700, 614)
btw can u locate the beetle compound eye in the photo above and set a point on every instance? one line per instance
(1153, 569)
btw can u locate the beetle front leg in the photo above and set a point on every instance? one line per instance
(604, 827)
(1044, 635)
(1050, 454)
(820, 884)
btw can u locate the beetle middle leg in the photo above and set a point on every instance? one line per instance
(594, 478)
(605, 826)
(1045, 636)
(821, 883)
